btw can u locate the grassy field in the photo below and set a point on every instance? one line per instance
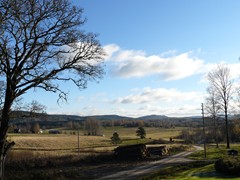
(63, 149)
(152, 132)
(69, 140)
(57, 142)
(50, 156)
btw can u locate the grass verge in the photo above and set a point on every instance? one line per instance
(194, 171)
(214, 153)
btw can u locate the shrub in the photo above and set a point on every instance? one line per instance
(141, 132)
(115, 139)
(228, 166)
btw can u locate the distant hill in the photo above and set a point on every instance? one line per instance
(20, 115)
(194, 117)
(23, 117)
(109, 117)
(153, 117)
(117, 117)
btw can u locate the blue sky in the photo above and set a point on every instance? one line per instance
(158, 54)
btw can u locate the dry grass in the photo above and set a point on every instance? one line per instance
(57, 142)
(152, 132)
(52, 156)
(68, 143)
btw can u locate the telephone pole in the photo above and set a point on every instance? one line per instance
(78, 141)
(204, 134)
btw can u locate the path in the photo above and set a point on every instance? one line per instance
(151, 166)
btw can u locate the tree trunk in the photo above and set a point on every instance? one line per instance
(4, 145)
(227, 131)
(7, 147)
(3, 134)
(215, 131)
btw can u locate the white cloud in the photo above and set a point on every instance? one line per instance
(149, 96)
(168, 53)
(110, 50)
(147, 109)
(168, 65)
(131, 63)
(144, 109)
(234, 70)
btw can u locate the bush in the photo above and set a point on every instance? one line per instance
(228, 166)
(115, 139)
(141, 132)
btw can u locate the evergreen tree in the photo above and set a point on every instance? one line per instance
(116, 139)
(141, 132)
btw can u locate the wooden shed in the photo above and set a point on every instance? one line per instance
(158, 150)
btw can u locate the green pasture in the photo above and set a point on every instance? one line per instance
(206, 172)
(195, 171)
(213, 153)
(203, 169)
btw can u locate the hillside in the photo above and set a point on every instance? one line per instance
(154, 117)
(23, 117)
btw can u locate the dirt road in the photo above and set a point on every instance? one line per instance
(139, 171)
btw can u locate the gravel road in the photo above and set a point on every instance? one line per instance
(140, 171)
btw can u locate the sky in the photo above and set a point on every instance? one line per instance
(158, 53)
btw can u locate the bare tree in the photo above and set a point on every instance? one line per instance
(92, 127)
(35, 107)
(2, 90)
(35, 128)
(41, 43)
(213, 108)
(220, 80)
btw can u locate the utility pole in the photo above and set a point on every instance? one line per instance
(78, 142)
(204, 134)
